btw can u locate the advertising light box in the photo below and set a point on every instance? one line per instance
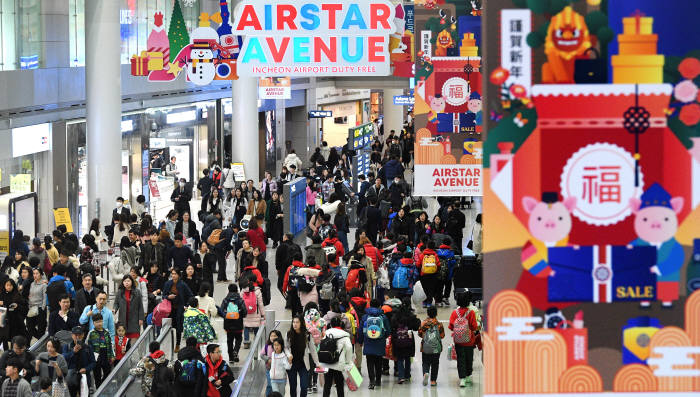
(31, 139)
(312, 37)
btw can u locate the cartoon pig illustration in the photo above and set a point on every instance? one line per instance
(549, 224)
(437, 106)
(656, 222)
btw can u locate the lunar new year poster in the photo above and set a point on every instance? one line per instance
(591, 192)
(448, 98)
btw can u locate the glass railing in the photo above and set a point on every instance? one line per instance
(252, 377)
(119, 375)
(40, 345)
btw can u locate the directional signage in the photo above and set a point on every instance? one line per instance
(319, 114)
(403, 100)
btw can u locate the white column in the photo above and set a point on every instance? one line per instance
(393, 114)
(103, 106)
(245, 142)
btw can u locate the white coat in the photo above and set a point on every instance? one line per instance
(346, 360)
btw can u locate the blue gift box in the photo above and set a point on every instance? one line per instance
(587, 274)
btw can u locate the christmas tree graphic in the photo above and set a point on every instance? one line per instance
(177, 34)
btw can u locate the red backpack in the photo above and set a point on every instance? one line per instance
(161, 311)
(357, 277)
(251, 302)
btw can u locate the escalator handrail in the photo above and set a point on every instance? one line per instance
(124, 360)
(39, 343)
(248, 361)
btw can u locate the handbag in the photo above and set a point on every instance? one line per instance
(470, 244)
(58, 389)
(33, 311)
(3, 316)
(84, 388)
(590, 70)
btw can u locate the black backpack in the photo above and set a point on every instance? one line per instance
(163, 379)
(328, 350)
(53, 291)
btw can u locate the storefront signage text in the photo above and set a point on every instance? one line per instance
(319, 114)
(314, 37)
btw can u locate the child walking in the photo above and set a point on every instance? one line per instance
(280, 363)
(464, 330)
(432, 332)
(266, 356)
(100, 341)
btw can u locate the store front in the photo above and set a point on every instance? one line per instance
(150, 138)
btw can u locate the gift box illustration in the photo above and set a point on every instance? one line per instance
(602, 274)
(636, 335)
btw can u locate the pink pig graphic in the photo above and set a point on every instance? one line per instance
(656, 222)
(549, 224)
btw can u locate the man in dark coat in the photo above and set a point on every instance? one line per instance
(283, 257)
(456, 221)
(204, 186)
(86, 295)
(181, 196)
(373, 219)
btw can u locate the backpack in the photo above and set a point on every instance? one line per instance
(188, 372)
(161, 311)
(251, 301)
(329, 249)
(461, 334)
(374, 327)
(353, 323)
(429, 265)
(163, 378)
(431, 341)
(215, 237)
(326, 292)
(355, 279)
(53, 291)
(324, 230)
(400, 279)
(328, 350)
(404, 338)
(232, 312)
(301, 283)
(266, 296)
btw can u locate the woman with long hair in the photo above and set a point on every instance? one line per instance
(178, 293)
(36, 315)
(188, 228)
(300, 345)
(276, 222)
(256, 235)
(342, 225)
(17, 309)
(257, 208)
(190, 277)
(129, 305)
(121, 229)
(100, 239)
(205, 302)
(235, 206)
(215, 201)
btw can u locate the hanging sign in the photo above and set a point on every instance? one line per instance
(314, 37)
(275, 88)
(62, 217)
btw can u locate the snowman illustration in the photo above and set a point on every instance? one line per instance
(201, 67)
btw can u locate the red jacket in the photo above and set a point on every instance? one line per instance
(425, 252)
(256, 272)
(257, 238)
(471, 319)
(285, 285)
(339, 250)
(374, 254)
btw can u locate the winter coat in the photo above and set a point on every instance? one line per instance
(257, 238)
(233, 325)
(471, 319)
(228, 181)
(118, 268)
(257, 208)
(196, 390)
(373, 347)
(182, 297)
(192, 231)
(23, 388)
(85, 357)
(219, 371)
(43, 256)
(135, 312)
(207, 304)
(142, 286)
(239, 259)
(413, 273)
(197, 324)
(426, 325)
(208, 265)
(425, 252)
(145, 370)
(393, 168)
(152, 253)
(292, 158)
(44, 371)
(257, 318)
(279, 364)
(14, 323)
(284, 255)
(404, 318)
(345, 362)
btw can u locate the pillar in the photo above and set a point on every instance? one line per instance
(245, 141)
(103, 106)
(393, 114)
